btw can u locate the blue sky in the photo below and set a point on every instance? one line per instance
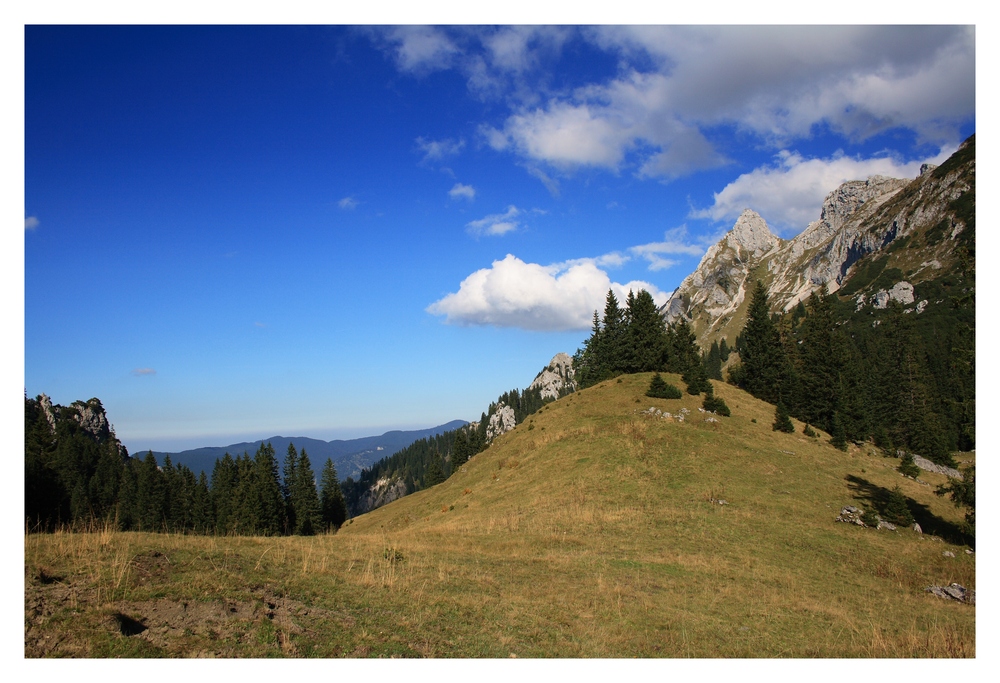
(237, 232)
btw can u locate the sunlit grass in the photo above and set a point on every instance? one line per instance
(594, 534)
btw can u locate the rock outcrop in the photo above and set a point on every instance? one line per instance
(556, 378)
(501, 422)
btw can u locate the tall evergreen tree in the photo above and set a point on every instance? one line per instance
(289, 476)
(223, 493)
(270, 504)
(646, 335)
(332, 506)
(765, 368)
(305, 500)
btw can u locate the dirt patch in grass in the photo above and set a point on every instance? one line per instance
(218, 628)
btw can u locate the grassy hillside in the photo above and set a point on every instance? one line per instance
(589, 531)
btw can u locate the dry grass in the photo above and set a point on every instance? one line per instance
(594, 534)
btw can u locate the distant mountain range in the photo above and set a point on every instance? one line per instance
(349, 456)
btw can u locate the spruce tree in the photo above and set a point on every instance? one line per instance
(714, 404)
(713, 362)
(782, 422)
(907, 466)
(658, 388)
(434, 474)
(223, 493)
(838, 435)
(288, 479)
(305, 500)
(646, 334)
(270, 504)
(696, 380)
(332, 505)
(897, 510)
(765, 368)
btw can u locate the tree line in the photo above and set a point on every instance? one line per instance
(76, 478)
(898, 380)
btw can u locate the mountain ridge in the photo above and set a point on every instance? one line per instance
(859, 221)
(349, 456)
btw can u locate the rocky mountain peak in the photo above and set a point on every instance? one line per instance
(848, 198)
(750, 233)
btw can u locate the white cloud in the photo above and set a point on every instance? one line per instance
(497, 223)
(31, 222)
(512, 293)
(790, 193)
(462, 191)
(436, 150)
(348, 203)
(673, 243)
(143, 372)
(420, 49)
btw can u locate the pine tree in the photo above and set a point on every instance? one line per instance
(646, 334)
(765, 368)
(305, 500)
(223, 493)
(782, 422)
(332, 506)
(819, 364)
(696, 380)
(897, 510)
(658, 388)
(460, 449)
(714, 404)
(838, 436)
(963, 494)
(713, 362)
(270, 504)
(907, 466)
(289, 477)
(434, 474)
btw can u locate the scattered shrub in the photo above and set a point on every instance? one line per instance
(658, 388)
(782, 423)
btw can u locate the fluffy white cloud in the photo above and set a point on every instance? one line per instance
(348, 203)
(497, 223)
(31, 222)
(776, 83)
(512, 293)
(789, 193)
(462, 191)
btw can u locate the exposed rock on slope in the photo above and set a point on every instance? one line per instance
(858, 219)
(555, 379)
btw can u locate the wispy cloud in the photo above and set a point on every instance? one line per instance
(259, 324)
(673, 243)
(512, 293)
(461, 191)
(436, 150)
(497, 223)
(348, 203)
(31, 222)
(143, 372)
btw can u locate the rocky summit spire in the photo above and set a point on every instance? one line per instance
(751, 234)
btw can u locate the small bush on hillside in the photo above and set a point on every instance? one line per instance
(869, 518)
(782, 423)
(714, 404)
(907, 467)
(809, 431)
(897, 510)
(658, 388)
